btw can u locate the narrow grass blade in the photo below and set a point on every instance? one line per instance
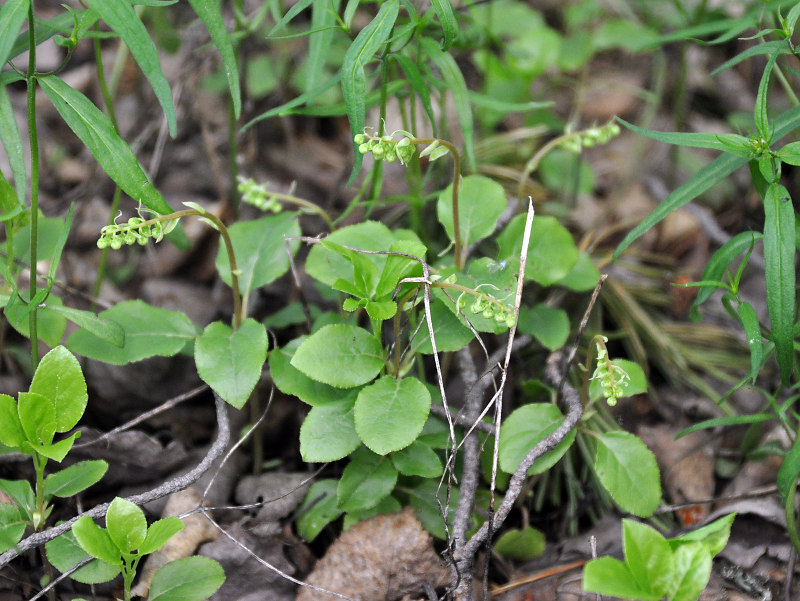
(760, 114)
(765, 48)
(122, 18)
(290, 14)
(779, 251)
(210, 14)
(417, 82)
(731, 143)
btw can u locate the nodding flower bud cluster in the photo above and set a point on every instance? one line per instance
(386, 148)
(137, 230)
(612, 377)
(489, 308)
(257, 195)
(591, 137)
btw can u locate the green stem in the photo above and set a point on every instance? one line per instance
(39, 463)
(533, 163)
(305, 204)
(460, 254)
(34, 144)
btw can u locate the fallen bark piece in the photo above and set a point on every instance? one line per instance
(196, 531)
(386, 557)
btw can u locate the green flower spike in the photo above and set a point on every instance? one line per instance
(612, 377)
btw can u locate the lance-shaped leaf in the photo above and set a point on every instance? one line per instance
(98, 134)
(779, 251)
(12, 16)
(12, 143)
(121, 17)
(361, 51)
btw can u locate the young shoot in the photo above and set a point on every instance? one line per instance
(612, 378)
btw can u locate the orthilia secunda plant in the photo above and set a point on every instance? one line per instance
(612, 377)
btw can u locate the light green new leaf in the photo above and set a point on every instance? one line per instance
(359, 53)
(318, 509)
(59, 378)
(418, 459)
(481, 201)
(760, 115)
(648, 556)
(779, 253)
(329, 432)
(126, 525)
(610, 576)
(447, 18)
(692, 564)
(121, 17)
(12, 16)
(230, 361)
(38, 418)
(210, 14)
(55, 451)
(790, 153)
(98, 134)
(149, 331)
(366, 480)
(260, 250)
(524, 429)
(159, 533)
(12, 143)
(714, 535)
(627, 469)
(75, 478)
(454, 80)
(188, 579)
(64, 553)
(390, 413)
(327, 266)
(340, 355)
(96, 542)
(11, 432)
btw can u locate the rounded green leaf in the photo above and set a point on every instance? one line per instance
(260, 250)
(159, 533)
(329, 432)
(188, 579)
(629, 472)
(526, 427)
(291, 380)
(38, 418)
(425, 496)
(75, 478)
(583, 276)
(59, 378)
(12, 527)
(450, 333)
(418, 459)
(318, 509)
(390, 413)
(610, 576)
(481, 201)
(96, 541)
(64, 552)
(521, 544)
(230, 361)
(548, 326)
(552, 252)
(340, 355)
(366, 480)
(149, 331)
(126, 525)
(11, 432)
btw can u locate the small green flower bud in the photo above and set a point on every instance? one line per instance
(102, 243)
(488, 313)
(364, 148)
(115, 243)
(359, 138)
(378, 151)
